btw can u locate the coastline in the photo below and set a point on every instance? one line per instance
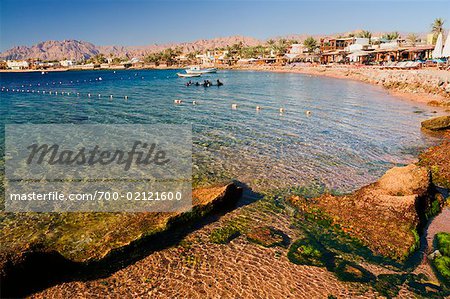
(274, 260)
(427, 86)
(430, 87)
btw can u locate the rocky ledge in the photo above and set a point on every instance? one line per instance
(386, 216)
(437, 123)
(73, 242)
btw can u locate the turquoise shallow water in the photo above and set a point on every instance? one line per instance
(355, 131)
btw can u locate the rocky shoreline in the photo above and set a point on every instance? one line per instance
(429, 86)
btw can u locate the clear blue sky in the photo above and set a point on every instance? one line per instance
(140, 22)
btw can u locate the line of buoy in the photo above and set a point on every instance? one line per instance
(3, 89)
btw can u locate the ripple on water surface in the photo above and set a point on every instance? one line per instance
(354, 133)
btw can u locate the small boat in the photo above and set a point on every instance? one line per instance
(181, 75)
(199, 70)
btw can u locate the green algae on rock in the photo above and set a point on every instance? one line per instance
(85, 237)
(384, 215)
(268, 236)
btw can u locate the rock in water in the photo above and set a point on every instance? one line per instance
(384, 215)
(437, 123)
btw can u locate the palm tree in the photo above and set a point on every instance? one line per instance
(282, 46)
(310, 43)
(392, 36)
(437, 26)
(412, 38)
(365, 34)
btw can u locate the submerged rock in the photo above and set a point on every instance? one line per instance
(87, 237)
(437, 159)
(268, 236)
(384, 215)
(437, 123)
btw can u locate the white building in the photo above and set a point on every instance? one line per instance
(206, 59)
(17, 64)
(66, 63)
(360, 44)
(296, 50)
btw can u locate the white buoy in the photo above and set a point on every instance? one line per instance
(308, 112)
(89, 95)
(56, 92)
(100, 79)
(281, 110)
(194, 103)
(234, 106)
(110, 96)
(78, 94)
(258, 108)
(99, 95)
(50, 92)
(126, 97)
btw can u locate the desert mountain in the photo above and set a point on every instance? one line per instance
(78, 50)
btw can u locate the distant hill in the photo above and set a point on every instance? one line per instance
(78, 50)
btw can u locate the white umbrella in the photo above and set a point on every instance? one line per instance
(446, 51)
(437, 52)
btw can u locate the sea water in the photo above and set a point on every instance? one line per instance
(351, 135)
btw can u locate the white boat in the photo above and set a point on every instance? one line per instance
(199, 70)
(181, 75)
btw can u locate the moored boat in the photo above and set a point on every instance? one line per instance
(199, 70)
(181, 75)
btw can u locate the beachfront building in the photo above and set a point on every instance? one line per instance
(206, 59)
(330, 44)
(334, 49)
(296, 53)
(17, 64)
(66, 63)
(360, 51)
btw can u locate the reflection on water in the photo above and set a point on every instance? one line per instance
(354, 133)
